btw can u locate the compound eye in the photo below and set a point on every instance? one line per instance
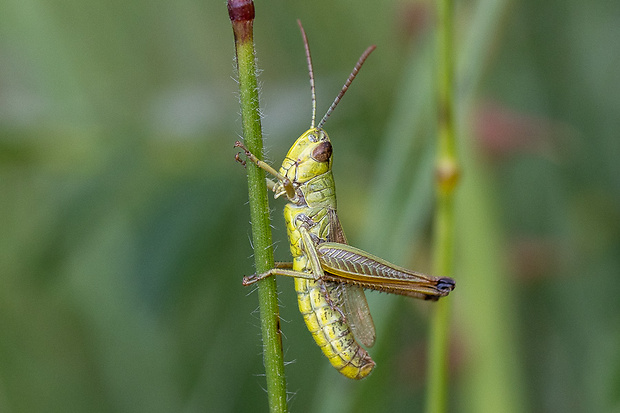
(322, 152)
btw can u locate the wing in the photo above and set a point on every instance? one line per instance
(354, 302)
(352, 265)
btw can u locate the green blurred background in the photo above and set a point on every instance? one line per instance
(124, 224)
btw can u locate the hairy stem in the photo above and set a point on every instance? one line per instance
(241, 14)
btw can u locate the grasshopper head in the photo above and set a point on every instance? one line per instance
(309, 157)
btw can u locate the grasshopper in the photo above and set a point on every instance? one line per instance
(330, 275)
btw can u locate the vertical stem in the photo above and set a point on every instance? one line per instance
(447, 170)
(241, 14)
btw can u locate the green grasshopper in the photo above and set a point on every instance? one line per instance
(330, 275)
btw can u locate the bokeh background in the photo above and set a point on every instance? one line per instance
(124, 224)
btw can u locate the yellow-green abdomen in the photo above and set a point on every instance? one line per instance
(330, 331)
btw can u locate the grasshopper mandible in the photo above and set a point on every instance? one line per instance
(330, 275)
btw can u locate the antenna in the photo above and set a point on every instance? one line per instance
(310, 72)
(356, 69)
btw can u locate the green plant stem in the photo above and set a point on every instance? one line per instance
(242, 16)
(447, 170)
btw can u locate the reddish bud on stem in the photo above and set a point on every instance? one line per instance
(241, 10)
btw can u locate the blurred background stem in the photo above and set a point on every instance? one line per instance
(242, 16)
(447, 172)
